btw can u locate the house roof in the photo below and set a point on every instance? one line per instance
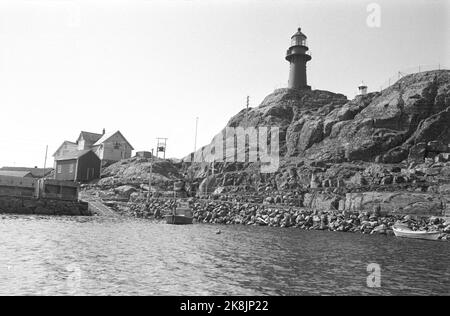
(108, 136)
(35, 172)
(90, 137)
(73, 155)
(19, 174)
(66, 142)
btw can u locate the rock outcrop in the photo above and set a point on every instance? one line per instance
(136, 171)
(384, 126)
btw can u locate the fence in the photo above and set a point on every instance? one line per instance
(391, 80)
(42, 188)
(408, 71)
(16, 186)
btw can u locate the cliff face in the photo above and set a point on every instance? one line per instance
(381, 126)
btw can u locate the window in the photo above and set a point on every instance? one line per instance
(297, 40)
(71, 167)
(59, 169)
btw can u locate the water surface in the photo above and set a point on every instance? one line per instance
(121, 256)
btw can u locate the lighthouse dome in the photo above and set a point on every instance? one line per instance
(298, 38)
(299, 33)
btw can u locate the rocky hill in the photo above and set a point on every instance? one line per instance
(127, 176)
(381, 126)
(384, 127)
(396, 140)
(138, 169)
(387, 150)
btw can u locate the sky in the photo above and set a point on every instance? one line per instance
(148, 68)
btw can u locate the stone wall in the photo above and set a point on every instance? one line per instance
(221, 212)
(28, 206)
(396, 202)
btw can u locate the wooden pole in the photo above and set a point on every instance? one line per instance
(246, 112)
(150, 180)
(196, 131)
(45, 161)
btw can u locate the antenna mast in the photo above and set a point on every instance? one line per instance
(161, 146)
(196, 130)
(246, 112)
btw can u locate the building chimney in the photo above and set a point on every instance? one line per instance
(103, 132)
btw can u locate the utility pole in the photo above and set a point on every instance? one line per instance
(45, 161)
(150, 180)
(196, 130)
(246, 112)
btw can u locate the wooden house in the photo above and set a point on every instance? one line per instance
(86, 140)
(16, 173)
(80, 166)
(66, 148)
(109, 148)
(113, 147)
(35, 172)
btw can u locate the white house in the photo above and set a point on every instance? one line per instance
(66, 148)
(113, 147)
(109, 148)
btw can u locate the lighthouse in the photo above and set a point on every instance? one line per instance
(362, 89)
(298, 55)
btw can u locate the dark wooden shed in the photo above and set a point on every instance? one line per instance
(80, 166)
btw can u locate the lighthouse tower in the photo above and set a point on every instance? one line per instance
(362, 89)
(298, 55)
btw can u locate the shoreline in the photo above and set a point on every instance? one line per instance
(215, 212)
(220, 213)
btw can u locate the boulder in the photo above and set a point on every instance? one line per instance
(381, 229)
(358, 179)
(321, 201)
(125, 190)
(387, 180)
(396, 155)
(207, 186)
(418, 152)
(437, 147)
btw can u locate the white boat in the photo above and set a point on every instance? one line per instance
(402, 231)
